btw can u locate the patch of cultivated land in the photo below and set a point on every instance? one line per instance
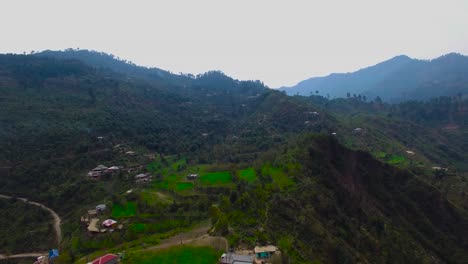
(216, 178)
(183, 186)
(278, 176)
(119, 211)
(176, 255)
(157, 227)
(153, 197)
(248, 174)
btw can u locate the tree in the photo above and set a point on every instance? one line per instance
(378, 100)
(348, 95)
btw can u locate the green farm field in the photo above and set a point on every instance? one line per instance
(176, 255)
(119, 211)
(216, 178)
(248, 174)
(278, 176)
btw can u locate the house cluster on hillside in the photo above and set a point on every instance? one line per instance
(101, 170)
(260, 255)
(143, 178)
(92, 222)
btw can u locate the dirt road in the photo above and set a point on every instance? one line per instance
(57, 228)
(196, 237)
(24, 255)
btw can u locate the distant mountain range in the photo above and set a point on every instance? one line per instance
(398, 79)
(316, 193)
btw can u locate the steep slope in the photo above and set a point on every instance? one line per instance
(398, 79)
(349, 208)
(54, 110)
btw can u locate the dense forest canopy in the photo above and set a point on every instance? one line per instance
(328, 180)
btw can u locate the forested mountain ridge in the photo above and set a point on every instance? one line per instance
(62, 116)
(348, 208)
(398, 79)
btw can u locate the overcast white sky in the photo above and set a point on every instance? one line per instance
(278, 42)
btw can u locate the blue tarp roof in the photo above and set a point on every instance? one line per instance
(53, 253)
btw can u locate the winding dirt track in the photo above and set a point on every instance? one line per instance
(24, 255)
(196, 237)
(57, 222)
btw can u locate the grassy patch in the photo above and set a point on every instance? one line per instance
(177, 254)
(138, 227)
(168, 182)
(380, 155)
(158, 227)
(154, 198)
(128, 210)
(397, 159)
(182, 186)
(154, 166)
(214, 178)
(179, 165)
(277, 175)
(248, 174)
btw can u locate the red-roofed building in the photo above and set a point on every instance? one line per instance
(106, 259)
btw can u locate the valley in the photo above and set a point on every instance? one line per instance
(147, 165)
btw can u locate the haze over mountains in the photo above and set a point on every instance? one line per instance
(398, 79)
(332, 181)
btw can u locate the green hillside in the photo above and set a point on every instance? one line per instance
(361, 189)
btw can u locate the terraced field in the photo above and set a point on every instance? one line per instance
(248, 174)
(216, 178)
(119, 211)
(176, 255)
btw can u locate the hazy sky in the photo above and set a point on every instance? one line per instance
(278, 42)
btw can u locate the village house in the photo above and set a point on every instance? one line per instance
(94, 175)
(439, 169)
(92, 213)
(192, 176)
(109, 223)
(97, 172)
(106, 259)
(142, 178)
(409, 152)
(130, 153)
(232, 258)
(265, 253)
(150, 156)
(357, 130)
(101, 207)
(113, 169)
(42, 260)
(134, 168)
(100, 168)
